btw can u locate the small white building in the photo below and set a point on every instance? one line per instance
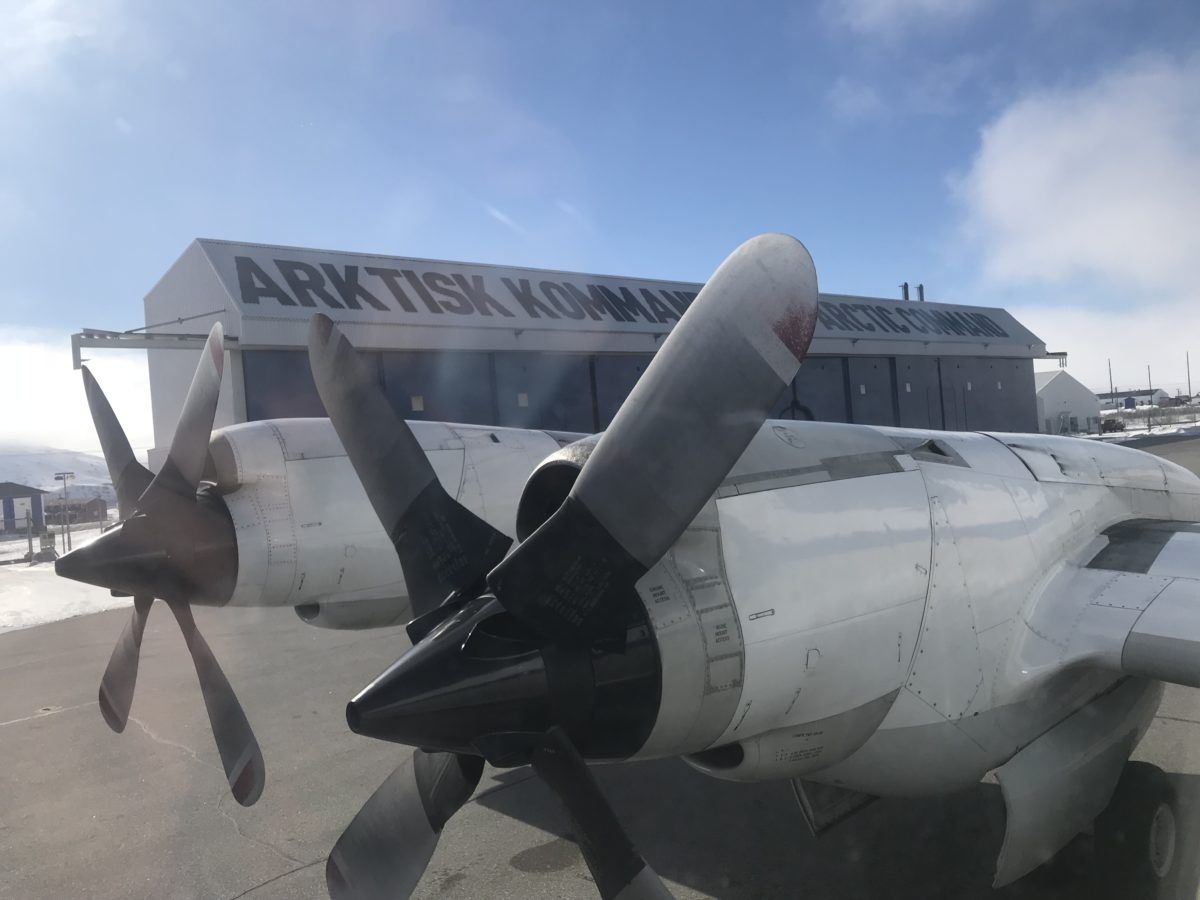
(1065, 405)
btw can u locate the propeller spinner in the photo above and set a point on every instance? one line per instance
(175, 542)
(555, 654)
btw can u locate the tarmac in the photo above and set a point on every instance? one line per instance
(147, 814)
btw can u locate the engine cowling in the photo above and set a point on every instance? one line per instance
(306, 531)
(353, 615)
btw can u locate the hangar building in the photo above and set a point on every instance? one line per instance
(500, 345)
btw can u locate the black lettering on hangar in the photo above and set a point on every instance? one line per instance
(342, 287)
(863, 318)
(300, 283)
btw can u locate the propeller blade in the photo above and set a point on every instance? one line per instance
(702, 399)
(384, 851)
(443, 547)
(616, 866)
(180, 473)
(240, 753)
(129, 477)
(116, 687)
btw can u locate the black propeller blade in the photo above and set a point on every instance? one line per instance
(616, 866)
(179, 547)
(129, 477)
(387, 846)
(703, 397)
(116, 687)
(512, 685)
(241, 756)
(443, 546)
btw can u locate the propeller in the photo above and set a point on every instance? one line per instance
(175, 542)
(690, 416)
(443, 547)
(408, 810)
(555, 659)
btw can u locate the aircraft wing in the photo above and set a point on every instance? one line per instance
(1164, 642)
(1133, 607)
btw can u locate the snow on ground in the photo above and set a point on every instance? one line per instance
(34, 595)
(1129, 433)
(15, 546)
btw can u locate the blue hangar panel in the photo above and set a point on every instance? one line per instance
(544, 390)
(918, 392)
(453, 386)
(615, 375)
(872, 390)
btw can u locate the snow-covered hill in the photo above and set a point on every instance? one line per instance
(35, 467)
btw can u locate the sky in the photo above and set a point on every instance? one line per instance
(1038, 155)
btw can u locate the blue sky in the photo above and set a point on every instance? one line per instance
(1043, 156)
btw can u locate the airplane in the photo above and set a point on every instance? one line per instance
(859, 611)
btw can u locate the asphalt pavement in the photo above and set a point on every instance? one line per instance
(146, 814)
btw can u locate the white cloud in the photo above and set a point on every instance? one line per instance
(852, 100)
(1132, 338)
(571, 211)
(505, 220)
(44, 404)
(1085, 200)
(1102, 180)
(886, 17)
(36, 36)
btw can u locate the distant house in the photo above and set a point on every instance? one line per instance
(1065, 405)
(91, 510)
(1133, 399)
(19, 502)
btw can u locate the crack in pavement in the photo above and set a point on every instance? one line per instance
(237, 826)
(250, 890)
(169, 743)
(1178, 719)
(42, 715)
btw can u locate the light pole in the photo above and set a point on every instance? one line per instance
(65, 508)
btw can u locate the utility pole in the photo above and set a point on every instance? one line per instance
(65, 508)
(29, 532)
(1112, 391)
(1187, 358)
(1150, 403)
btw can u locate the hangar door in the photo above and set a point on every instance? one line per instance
(872, 390)
(818, 392)
(918, 392)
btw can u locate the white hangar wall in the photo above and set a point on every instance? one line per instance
(1066, 405)
(558, 350)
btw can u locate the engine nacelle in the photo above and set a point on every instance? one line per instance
(353, 615)
(787, 614)
(306, 531)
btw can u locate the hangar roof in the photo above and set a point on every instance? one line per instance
(1041, 379)
(267, 294)
(12, 489)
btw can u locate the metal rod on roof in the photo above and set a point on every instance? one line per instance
(180, 321)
